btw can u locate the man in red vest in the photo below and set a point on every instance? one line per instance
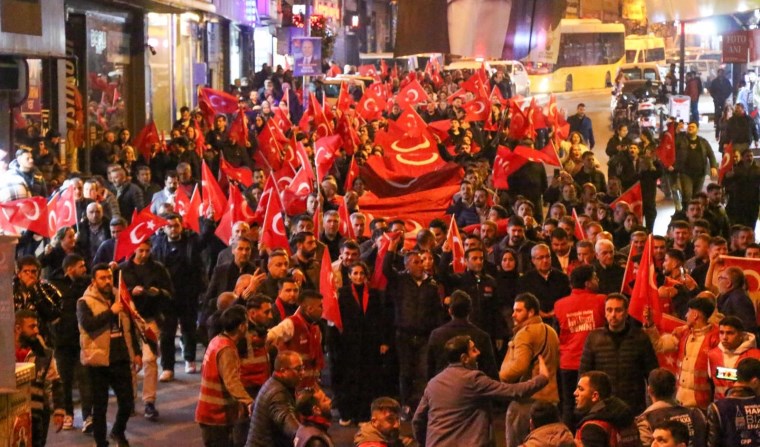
(692, 342)
(735, 345)
(223, 398)
(300, 332)
(254, 356)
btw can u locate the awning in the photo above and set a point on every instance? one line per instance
(174, 6)
(659, 11)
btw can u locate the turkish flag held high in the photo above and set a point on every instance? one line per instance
(331, 310)
(143, 226)
(62, 210)
(411, 95)
(212, 194)
(751, 268)
(237, 211)
(188, 208)
(456, 246)
(579, 234)
(28, 214)
(345, 100)
(477, 110)
(146, 138)
(633, 197)
(297, 193)
(273, 230)
(411, 122)
(239, 129)
(644, 292)
(351, 175)
(504, 165)
(371, 105)
(242, 175)
(325, 150)
(726, 163)
(666, 150)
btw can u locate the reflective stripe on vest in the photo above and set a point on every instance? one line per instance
(214, 401)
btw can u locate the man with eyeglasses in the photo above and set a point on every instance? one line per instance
(548, 284)
(273, 421)
(29, 292)
(733, 298)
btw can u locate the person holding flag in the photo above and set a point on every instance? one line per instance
(109, 350)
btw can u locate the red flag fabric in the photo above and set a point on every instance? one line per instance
(345, 227)
(220, 101)
(330, 308)
(242, 175)
(407, 155)
(269, 190)
(505, 163)
(518, 123)
(476, 84)
(270, 141)
(351, 175)
(411, 122)
(629, 275)
(378, 280)
(143, 225)
(126, 300)
(281, 119)
(304, 161)
(634, 198)
(477, 110)
(62, 210)
(389, 177)
(212, 194)
(239, 129)
(321, 122)
(579, 234)
(297, 193)
(666, 150)
(411, 95)
(146, 138)
(200, 140)
(497, 96)
(727, 162)
(28, 214)
(344, 98)
(644, 292)
(550, 155)
(440, 128)
(457, 94)
(273, 230)
(325, 149)
(420, 207)
(188, 208)
(237, 210)
(532, 154)
(367, 70)
(457, 247)
(347, 134)
(371, 105)
(284, 177)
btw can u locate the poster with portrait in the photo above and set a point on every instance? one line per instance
(307, 55)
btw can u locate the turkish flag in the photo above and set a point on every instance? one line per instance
(304, 161)
(504, 165)
(629, 275)
(457, 94)
(632, 197)
(550, 155)
(237, 211)
(378, 280)
(143, 226)
(321, 122)
(371, 105)
(579, 234)
(411, 122)
(146, 138)
(200, 140)
(385, 178)
(273, 230)
(518, 123)
(126, 300)
(270, 141)
(477, 110)
(727, 162)
(456, 246)
(62, 210)
(408, 155)
(533, 155)
(284, 177)
(351, 175)
(325, 150)
(347, 134)
(345, 227)
(476, 84)
(345, 100)
(644, 292)
(212, 194)
(331, 310)
(281, 119)
(751, 268)
(367, 70)
(189, 208)
(242, 175)
(421, 206)
(501, 227)
(497, 96)
(220, 101)
(296, 194)
(270, 189)
(440, 128)
(239, 129)
(411, 95)
(28, 214)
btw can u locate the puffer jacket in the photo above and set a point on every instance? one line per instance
(627, 357)
(550, 435)
(273, 422)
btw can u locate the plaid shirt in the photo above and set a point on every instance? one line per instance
(14, 185)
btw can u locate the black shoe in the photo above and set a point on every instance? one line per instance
(151, 413)
(120, 440)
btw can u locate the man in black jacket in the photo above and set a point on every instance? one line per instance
(459, 310)
(622, 351)
(417, 311)
(72, 285)
(694, 156)
(128, 194)
(605, 416)
(151, 288)
(548, 284)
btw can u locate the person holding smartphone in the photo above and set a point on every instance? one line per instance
(676, 287)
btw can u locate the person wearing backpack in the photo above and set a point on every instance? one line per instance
(606, 420)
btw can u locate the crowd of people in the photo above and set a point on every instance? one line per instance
(528, 312)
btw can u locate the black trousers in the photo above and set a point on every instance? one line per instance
(216, 435)
(119, 378)
(40, 425)
(568, 382)
(71, 369)
(184, 315)
(412, 363)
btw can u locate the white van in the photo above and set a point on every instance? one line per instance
(640, 49)
(515, 69)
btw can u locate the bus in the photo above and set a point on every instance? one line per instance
(579, 54)
(640, 49)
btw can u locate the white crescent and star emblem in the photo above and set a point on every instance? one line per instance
(753, 285)
(412, 95)
(133, 237)
(303, 187)
(277, 225)
(367, 105)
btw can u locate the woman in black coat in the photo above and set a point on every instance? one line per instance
(506, 289)
(357, 351)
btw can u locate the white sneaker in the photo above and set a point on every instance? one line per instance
(190, 368)
(68, 422)
(166, 376)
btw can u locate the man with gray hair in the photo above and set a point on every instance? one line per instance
(733, 298)
(610, 273)
(545, 282)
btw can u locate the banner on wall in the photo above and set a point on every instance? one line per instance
(307, 53)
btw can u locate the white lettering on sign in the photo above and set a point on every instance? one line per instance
(582, 321)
